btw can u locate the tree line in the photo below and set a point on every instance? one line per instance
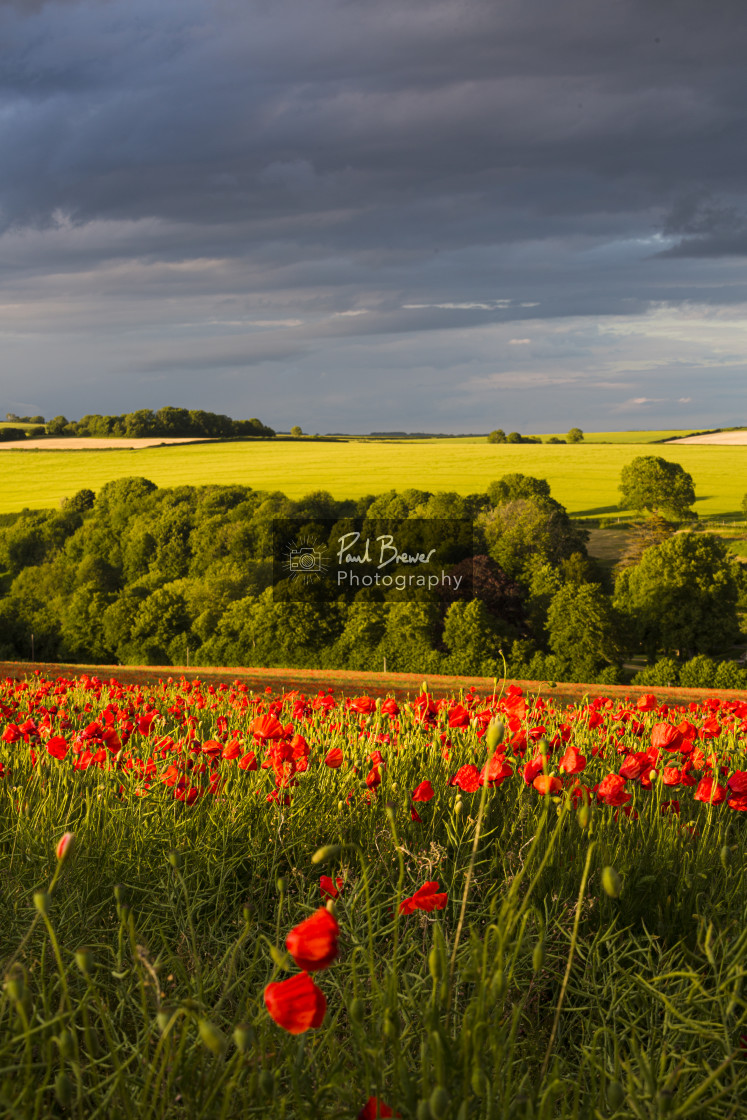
(140, 575)
(168, 422)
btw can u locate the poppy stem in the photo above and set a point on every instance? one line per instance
(569, 962)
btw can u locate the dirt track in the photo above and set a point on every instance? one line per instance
(86, 444)
(312, 681)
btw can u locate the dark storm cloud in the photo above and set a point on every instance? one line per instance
(438, 167)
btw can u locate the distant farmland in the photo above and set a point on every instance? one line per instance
(584, 477)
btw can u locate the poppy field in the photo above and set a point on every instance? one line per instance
(218, 902)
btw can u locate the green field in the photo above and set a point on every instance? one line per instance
(584, 477)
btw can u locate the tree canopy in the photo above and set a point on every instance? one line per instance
(652, 484)
(682, 596)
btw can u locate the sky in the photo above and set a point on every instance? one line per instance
(438, 215)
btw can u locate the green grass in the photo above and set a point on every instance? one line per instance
(584, 477)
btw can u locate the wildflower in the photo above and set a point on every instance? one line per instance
(333, 758)
(329, 887)
(467, 778)
(374, 1108)
(57, 747)
(65, 846)
(710, 791)
(295, 1004)
(313, 943)
(426, 898)
(546, 783)
(423, 792)
(666, 737)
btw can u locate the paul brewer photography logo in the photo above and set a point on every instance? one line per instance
(391, 558)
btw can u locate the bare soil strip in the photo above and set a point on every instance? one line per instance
(91, 444)
(726, 439)
(311, 681)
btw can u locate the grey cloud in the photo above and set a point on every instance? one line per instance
(196, 166)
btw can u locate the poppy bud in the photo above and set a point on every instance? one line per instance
(42, 899)
(434, 963)
(357, 1012)
(16, 987)
(84, 960)
(65, 846)
(163, 1018)
(725, 855)
(331, 906)
(538, 956)
(176, 860)
(391, 1025)
(478, 1081)
(266, 1083)
(211, 1037)
(281, 959)
(583, 816)
(615, 1095)
(246, 913)
(65, 1044)
(327, 853)
(458, 806)
(438, 1102)
(243, 1037)
(119, 892)
(494, 734)
(280, 885)
(611, 882)
(497, 985)
(63, 1089)
(340, 806)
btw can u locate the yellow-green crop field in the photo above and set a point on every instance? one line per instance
(584, 477)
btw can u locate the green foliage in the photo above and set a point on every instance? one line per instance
(654, 484)
(584, 631)
(575, 435)
(682, 596)
(497, 436)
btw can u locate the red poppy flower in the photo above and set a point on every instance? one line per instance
(231, 750)
(11, 734)
(333, 758)
(467, 778)
(211, 747)
(709, 791)
(295, 1004)
(611, 790)
(248, 761)
(268, 727)
(375, 1107)
(330, 887)
(363, 705)
(546, 783)
(635, 765)
(313, 942)
(495, 771)
(572, 762)
(57, 747)
(646, 703)
(737, 783)
(423, 792)
(666, 737)
(738, 802)
(670, 808)
(390, 707)
(426, 898)
(415, 815)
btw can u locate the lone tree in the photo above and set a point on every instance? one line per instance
(296, 430)
(575, 435)
(655, 485)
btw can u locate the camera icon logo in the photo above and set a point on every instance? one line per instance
(305, 559)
